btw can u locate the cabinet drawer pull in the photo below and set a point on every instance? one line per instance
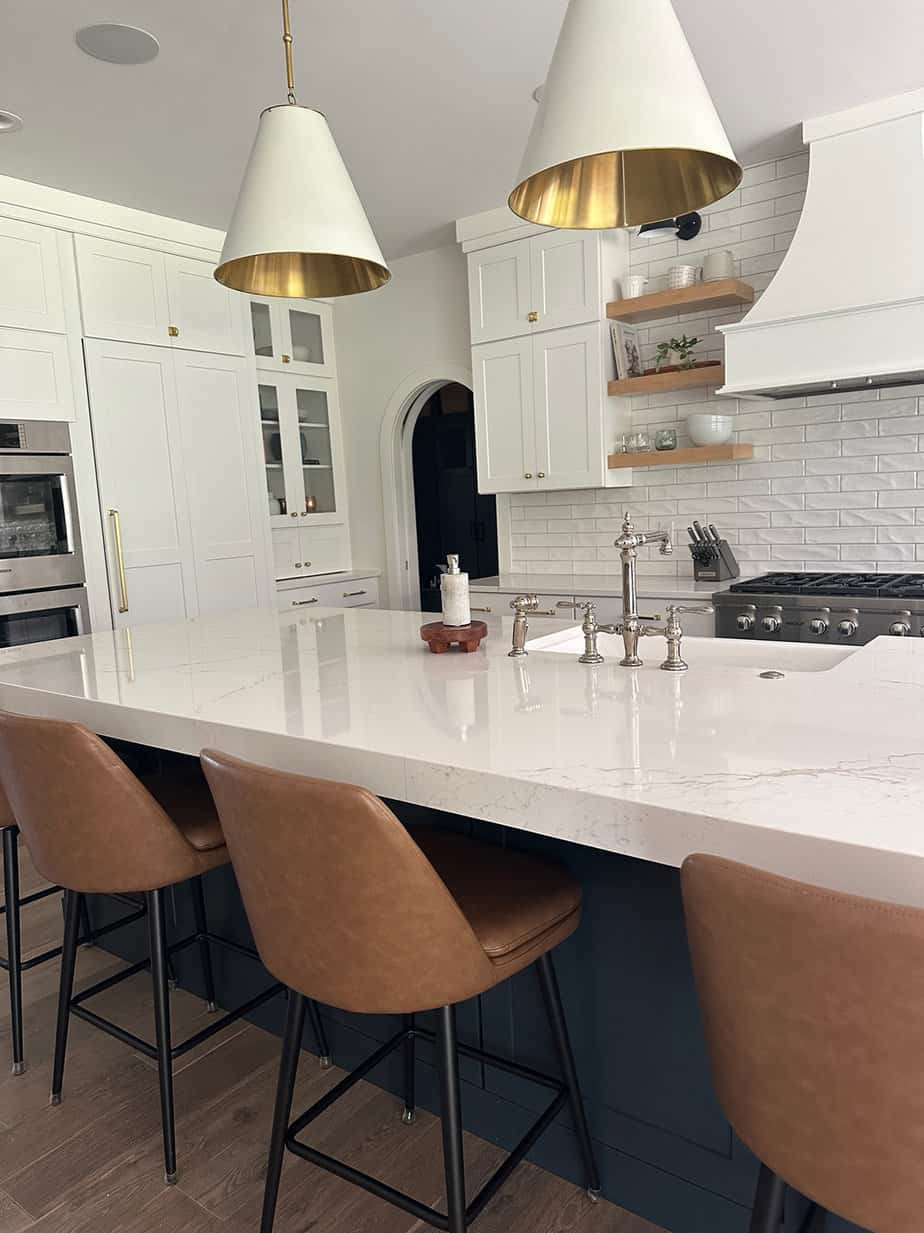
(301, 603)
(120, 559)
(481, 609)
(544, 612)
(287, 359)
(533, 316)
(350, 594)
(172, 331)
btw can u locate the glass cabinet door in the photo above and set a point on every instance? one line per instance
(283, 491)
(292, 336)
(317, 455)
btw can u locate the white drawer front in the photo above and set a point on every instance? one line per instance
(352, 593)
(497, 603)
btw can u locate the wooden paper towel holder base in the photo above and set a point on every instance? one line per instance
(440, 637)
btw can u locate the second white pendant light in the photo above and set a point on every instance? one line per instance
(298, 229)
(626, 132)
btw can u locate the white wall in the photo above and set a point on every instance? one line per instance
(837, 480)
(416, 325)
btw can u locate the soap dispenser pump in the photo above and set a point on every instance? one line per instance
(454, 592)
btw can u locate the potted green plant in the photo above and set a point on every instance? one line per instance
(682, 347)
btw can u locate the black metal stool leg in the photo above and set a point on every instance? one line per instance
(767, 1214)
(205, 952)
(552, 998)
(13, 941)
(288, 1068)
(87, 937)
(65, 989)
(451, 1111)
(410, 1059)
(320, 1036)
(157, 931)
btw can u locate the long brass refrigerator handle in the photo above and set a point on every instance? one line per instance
(120, 559)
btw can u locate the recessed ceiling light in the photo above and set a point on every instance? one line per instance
(10, 122)
(118, 44)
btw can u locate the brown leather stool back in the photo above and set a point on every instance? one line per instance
(343, 905)
(89, 824)
(814, 1011)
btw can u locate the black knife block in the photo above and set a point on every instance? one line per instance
(717, 568)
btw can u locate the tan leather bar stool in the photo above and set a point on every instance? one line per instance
(13, 903)
(813, 1004)
(347, 908)
(92, 827)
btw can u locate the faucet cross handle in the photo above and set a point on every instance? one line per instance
(524, 603)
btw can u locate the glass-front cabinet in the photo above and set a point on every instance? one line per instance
(300, 423)
(292, 336)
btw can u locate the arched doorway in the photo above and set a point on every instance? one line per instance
(450, 514)
(398, 497)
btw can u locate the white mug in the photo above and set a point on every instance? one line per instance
(719, 264)
(681, 276)
(634, 286)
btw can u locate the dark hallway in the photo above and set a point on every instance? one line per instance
(451, 515)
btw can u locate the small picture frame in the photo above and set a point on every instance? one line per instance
(626, 350)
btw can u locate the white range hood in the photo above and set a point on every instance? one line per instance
(846, 308)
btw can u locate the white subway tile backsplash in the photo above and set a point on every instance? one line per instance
(837, 479)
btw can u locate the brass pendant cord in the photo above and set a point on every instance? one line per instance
(287, 41)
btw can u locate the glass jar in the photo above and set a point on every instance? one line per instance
(666, 439)
(638, 443)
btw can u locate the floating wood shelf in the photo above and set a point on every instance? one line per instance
(672, 458)
(661, 382)
(723, 293)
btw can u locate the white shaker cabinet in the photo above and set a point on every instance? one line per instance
(30, 286)
(35, 376)
(220, 454)
(141, 484)
(542, 282)
(539, 413)
(134, 294)
(505, 422)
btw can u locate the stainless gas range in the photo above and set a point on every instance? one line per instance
(831, 608)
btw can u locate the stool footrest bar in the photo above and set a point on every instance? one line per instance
(397, 1197)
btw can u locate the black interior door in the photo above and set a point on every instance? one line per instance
(451, 514)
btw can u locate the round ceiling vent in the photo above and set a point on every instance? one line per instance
(10, 122)
(118, 44)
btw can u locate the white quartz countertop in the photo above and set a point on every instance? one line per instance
(650, 586)
(818, 775)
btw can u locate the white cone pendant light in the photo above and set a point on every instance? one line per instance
(626, 132)
(298, 229)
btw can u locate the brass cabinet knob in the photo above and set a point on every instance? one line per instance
(172, 331)
(541, 474)
(298, 564)
(307, 565)
(294, 515)
(532, 316)
(287, 359)
(527, 475)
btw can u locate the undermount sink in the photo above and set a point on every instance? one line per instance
(717, 653)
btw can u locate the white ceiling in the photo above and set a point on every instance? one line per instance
(429, 99)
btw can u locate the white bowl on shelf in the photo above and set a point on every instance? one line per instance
(707, 429)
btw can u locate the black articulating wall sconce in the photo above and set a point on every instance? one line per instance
(683, 227)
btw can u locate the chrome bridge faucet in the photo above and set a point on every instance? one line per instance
(631, 626)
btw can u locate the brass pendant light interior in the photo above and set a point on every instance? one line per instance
(624, 188)
(300, 275)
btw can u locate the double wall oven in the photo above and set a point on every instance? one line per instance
(42, 579)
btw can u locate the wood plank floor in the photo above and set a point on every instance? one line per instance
(93, 1164)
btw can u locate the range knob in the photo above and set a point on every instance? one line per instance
(772, 624)
(900, 629)
(818, 626)
(847, 629)
(745, 623)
